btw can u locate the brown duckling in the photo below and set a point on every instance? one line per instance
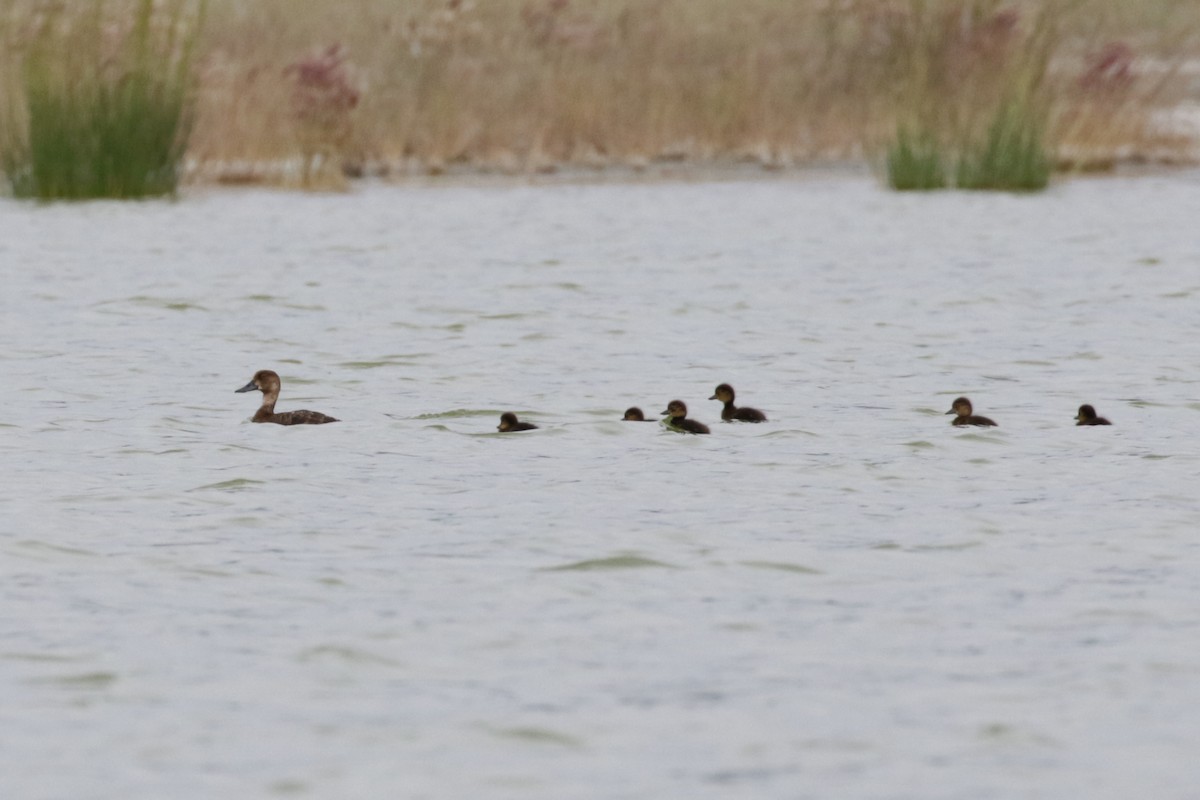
(267, 382)
(509, 422)
(1087, 416)
(677, 419)
(730, 412)
(634, 414)
(962, 408)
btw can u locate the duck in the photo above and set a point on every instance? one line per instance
(509, 422)
(676, 414)
(962, 408)
(633, 414)
(730, 412)
(1087, 416)
(267, 381)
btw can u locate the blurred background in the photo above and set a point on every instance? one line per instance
(311, 93)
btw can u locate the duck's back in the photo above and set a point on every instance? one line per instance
(976, 420)
(301, 417)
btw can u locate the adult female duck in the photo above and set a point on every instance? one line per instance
(267, 382)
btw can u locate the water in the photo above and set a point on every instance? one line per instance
(853, 600)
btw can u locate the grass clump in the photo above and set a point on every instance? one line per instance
(105, 111)
(1011, 157)
(915, 162)
(973, 72)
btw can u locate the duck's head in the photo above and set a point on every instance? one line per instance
(508, 421)
(961, 406)
(676, 409)
(634, 414)
(1086, 413)
(724, 393)
(265, 380)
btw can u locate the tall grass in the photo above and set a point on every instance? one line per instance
(1012, 155)
(105, 101)
(973, 81)
(915, 162)
(303, 90)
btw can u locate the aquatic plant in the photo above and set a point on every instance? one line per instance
(915, 162)
(1012, 155)
(973, 74)
(105, 101)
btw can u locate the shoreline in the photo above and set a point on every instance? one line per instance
(285, 175)
(289, 94)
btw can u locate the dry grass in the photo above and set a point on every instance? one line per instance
(530, 85)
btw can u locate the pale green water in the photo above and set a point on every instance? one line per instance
(852, 600)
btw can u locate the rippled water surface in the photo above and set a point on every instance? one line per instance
(854, 600)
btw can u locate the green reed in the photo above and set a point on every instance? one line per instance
(915, 162)
(1012, 155)
(106, 107)
(973, 73)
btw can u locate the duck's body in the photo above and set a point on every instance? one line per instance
(509, 422)
(1087, 416)
(962, 410)
(676, 414)
(634, 414)
(731, 413)
(267, 382)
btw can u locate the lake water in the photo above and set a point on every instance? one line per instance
(854, 600)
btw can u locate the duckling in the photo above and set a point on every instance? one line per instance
(267, 382)
(633, 414)
(677, 419)
(1087, 416)
(724, 393)
(962, 407)
(509, 422)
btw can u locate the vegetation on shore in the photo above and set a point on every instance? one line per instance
(104, 110)
(966, 92)
(976, 97)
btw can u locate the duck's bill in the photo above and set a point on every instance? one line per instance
(249, 387)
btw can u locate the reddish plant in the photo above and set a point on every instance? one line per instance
(323, 90)
(1108, 70)
(323, 97)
